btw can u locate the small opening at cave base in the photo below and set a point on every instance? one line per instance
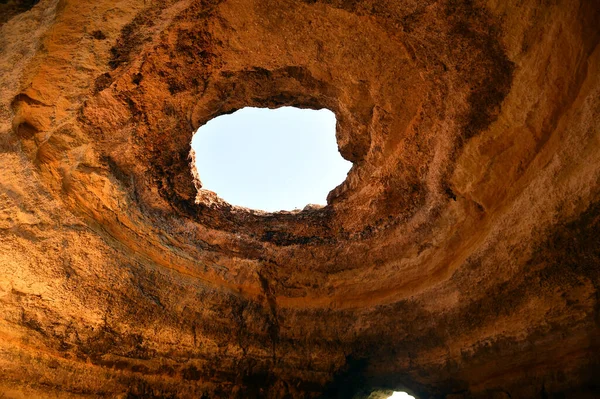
(401, 395)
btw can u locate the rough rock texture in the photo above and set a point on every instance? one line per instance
(460, 258)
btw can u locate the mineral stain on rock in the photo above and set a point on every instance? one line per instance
(459, 259)
(10, 8)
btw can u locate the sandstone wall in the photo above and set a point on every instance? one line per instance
(459, 259)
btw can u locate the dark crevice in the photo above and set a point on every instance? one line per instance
(11, 8)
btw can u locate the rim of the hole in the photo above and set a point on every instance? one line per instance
(211, 199)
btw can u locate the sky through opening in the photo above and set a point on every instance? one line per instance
(270, 159)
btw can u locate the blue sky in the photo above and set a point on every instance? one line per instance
(270, 160)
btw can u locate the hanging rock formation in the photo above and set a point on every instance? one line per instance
(459, 259)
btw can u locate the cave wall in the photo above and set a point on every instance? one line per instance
(459, 259)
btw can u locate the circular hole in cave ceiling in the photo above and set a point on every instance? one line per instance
(270, 159)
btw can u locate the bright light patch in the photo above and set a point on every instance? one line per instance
(401, 395)
(270, 159)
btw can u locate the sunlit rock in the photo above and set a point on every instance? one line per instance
(459, 259)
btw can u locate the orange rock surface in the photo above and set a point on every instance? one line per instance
(459, 259)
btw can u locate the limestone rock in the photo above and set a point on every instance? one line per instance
(460, 258)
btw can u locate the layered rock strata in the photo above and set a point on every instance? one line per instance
(459, 259)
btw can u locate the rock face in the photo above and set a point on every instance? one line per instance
(459, 259)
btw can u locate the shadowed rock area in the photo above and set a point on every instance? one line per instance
(460, 258)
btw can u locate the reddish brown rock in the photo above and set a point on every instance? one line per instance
(459, 259)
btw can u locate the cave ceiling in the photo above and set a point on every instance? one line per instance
(460, 258)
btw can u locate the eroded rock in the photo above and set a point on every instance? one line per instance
(458, 259)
